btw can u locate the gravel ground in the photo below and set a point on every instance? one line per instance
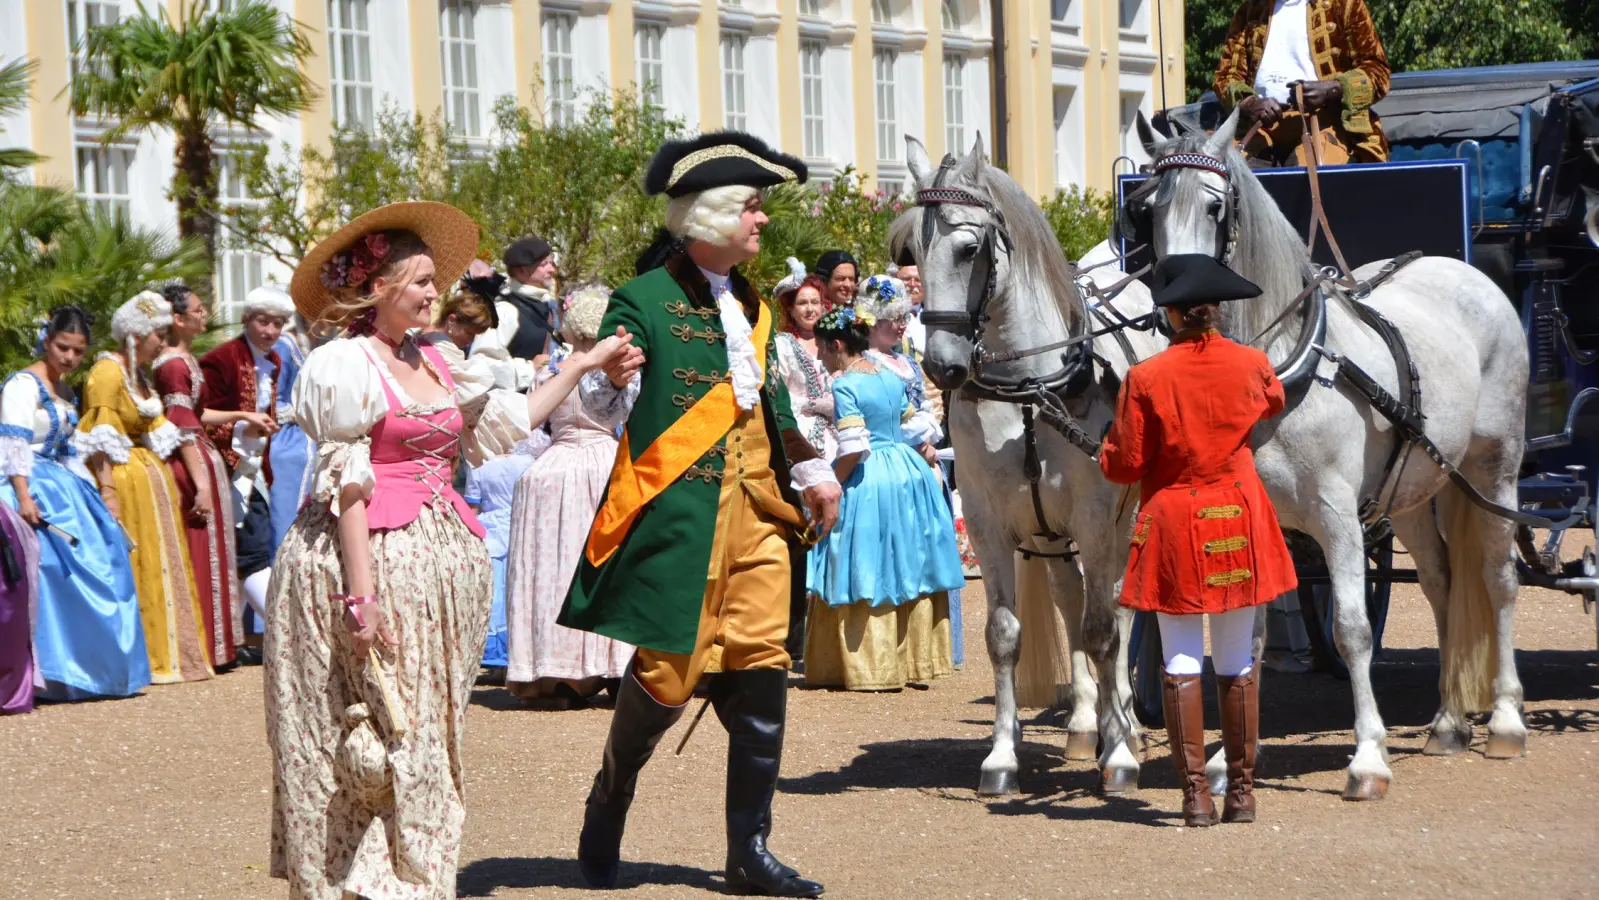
(166, 795)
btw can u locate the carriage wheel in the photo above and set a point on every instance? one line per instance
(1147, 660)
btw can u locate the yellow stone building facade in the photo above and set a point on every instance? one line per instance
(837, 82)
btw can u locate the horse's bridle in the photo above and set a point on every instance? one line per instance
(1227, 234)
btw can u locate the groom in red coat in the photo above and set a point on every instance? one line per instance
(242, 376)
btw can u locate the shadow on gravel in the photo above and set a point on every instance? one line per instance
(483, 877)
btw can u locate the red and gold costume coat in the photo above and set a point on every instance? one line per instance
(230, 384)
(1206, 539)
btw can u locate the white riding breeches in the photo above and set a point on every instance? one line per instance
(1232, 642)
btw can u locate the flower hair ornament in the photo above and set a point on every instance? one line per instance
(791, 282)
(885, 296)
(351, 267)
(842, 318)
(41, 330)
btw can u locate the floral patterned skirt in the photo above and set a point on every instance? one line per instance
(356, 808)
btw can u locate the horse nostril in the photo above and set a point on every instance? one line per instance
(955, 373)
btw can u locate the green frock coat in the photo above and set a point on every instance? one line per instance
(650, 591)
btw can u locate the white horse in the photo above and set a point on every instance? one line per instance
(1033, 302)
(1330, 449)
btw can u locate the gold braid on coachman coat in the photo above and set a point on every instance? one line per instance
(1344, 47)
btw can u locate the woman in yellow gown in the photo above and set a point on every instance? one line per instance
(125, 440)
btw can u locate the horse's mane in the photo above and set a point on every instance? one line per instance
(1269, 251)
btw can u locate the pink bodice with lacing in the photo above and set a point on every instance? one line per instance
(413, 448)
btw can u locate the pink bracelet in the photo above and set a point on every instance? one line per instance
(353, 605)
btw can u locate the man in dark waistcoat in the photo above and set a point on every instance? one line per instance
(710, 478)
(527, 310)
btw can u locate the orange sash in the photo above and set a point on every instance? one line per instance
(635, 483)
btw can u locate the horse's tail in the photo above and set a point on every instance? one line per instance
(1042, 664)
(1470, 655)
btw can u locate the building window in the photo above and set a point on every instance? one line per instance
(734, 112)
(651, 72)
(350, 63)
(458, 58)
(1057, 9)
(558, 79)
(812, 98)
(810, 7)
(1067, 139)
(881, 13)
(1131, 146)
(83, 15)
(883, 62)
(238, 271)
(954, 103)
(950, 16)
(103, 178)
(1129, 13)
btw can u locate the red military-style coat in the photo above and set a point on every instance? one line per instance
(230, 384)
(1206, 539)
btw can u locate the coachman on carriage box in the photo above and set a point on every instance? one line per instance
(1326, 51)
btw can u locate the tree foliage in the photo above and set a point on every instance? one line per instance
(206, 69)
(1081, 218)
(1429, 34)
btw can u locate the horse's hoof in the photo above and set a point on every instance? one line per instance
(1082, 745)
(1447, 742)
(1366, 787)
(1118, 781)
(999, 783)
(1506, 746)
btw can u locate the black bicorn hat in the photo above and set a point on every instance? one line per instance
(1186, 279)
(719, 159)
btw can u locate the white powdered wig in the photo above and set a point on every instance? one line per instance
(885, 297)
(711, 216)
(268, 300)
(148, 311)
(585, 307)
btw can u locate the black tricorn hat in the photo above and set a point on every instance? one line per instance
(1189, 278)
(719, 159)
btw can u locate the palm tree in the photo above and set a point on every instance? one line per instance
(209, 68)
(14, 78)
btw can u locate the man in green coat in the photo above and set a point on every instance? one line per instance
(709, 480)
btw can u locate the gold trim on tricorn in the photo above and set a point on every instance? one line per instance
(1226, 545)
(1227, 579)
(723, 151)
(1231, 511)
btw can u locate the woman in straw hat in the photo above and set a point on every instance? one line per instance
(381, 592)
(125, 439)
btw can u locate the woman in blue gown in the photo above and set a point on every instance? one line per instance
(291, 453)
(89, 638)
(879, 581)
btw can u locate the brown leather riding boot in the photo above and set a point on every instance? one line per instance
(1184, 702)
(1240, 732)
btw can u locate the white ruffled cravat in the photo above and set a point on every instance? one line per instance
(742, 365)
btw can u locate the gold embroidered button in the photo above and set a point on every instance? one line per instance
(1226, 545)
(1231, 511)
(1227, 579)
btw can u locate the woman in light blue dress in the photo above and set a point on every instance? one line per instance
(489, 489)
(88, 637)
(291, 453)
(880, 580)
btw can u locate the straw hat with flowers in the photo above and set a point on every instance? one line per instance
(339, 267)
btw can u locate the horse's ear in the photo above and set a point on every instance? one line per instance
(970, 168)
(919, 163)
(1221, 140)
(1146, 134)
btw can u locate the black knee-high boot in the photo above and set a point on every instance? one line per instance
(636, 727)
(752, 705)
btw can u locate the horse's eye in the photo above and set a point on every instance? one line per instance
(1216, 209)
(966, 252)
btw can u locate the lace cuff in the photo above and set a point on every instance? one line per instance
(854, 440)
(535, 444)
(812, 472)
(16, 455)
(921, 428)
(340, 464)
(500, 423)
(284, 413)
(603, 402)
(103, 439)
(166, 439)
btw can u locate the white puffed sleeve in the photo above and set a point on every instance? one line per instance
(494, 419)
(604, 402)
(19, 406)
(338, 400)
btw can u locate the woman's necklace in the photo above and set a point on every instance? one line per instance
(397, 346)
(864, 366)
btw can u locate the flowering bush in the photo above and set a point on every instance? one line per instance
(1081, 218)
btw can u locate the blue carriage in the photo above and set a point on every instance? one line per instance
(1499, 167)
